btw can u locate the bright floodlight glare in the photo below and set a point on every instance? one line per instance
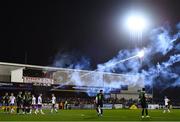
(136, 23)
(140, 54)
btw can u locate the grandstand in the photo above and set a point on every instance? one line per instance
(75, 86)
(53, 78)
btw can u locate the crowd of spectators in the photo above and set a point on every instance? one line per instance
(76, 101)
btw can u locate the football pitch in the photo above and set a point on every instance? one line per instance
(90, 115)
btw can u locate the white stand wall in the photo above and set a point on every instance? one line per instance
(17, 75)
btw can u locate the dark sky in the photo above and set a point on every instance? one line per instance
(41, 28)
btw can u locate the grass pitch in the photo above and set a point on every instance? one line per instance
(90, 115)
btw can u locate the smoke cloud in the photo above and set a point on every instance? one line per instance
(71, 60)
(160, 64)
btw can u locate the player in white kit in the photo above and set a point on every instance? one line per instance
(12, 102)
(33, 105)
(39, 106)
(53, 100)
(166, 100)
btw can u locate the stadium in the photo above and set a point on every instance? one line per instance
(76, 100)
(90, 60)
(48, 80)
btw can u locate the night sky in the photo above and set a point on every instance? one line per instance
(41, 28)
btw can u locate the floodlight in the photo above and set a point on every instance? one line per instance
(136, 23)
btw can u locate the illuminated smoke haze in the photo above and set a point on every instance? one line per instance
(165, 73)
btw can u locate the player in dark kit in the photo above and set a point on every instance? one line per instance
(25, 103)
(143, 101)
(99, 102)
(19, 100)
(29, 102)
(6, 102)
